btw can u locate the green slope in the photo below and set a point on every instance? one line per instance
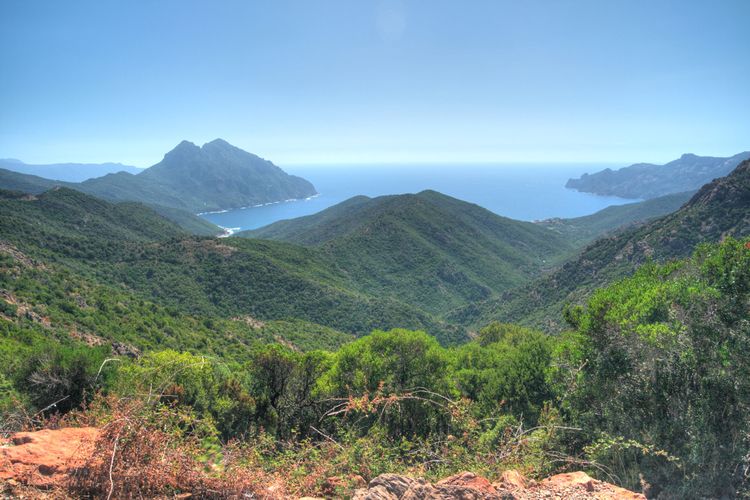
(45, 302)
(71, 172)
(719, 209)
(130, 245)
(582, 230)
(14, 181)
(426, 249)
(26, 183)
(65, 220)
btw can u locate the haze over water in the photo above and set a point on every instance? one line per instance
(519, 191)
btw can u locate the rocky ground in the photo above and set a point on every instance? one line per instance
(37, 465)
(512, 486)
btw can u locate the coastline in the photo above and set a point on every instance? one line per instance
(258, 205)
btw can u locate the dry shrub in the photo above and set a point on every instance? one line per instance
(147, 450)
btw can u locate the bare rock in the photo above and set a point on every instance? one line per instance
(44, 458)
(513, 485)
(464, 486)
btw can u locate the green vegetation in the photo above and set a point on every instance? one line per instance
(428, 250)
(583, 230)
(717, 210)
(667, 357)
(289, 358)
(30, 184)
(649, 387)
(130, 247)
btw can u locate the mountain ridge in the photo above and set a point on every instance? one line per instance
(68, 171)
(718, 210)
(428, 249)
(645, 180)
(217, 176)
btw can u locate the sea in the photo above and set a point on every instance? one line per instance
(520, 191)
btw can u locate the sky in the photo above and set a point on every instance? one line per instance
(342, 81)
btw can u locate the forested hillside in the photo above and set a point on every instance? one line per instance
(718, 210)
(284, 361)
(585, 229)
(132, 246)
(426, 249)
(14, 181)
(393, 401)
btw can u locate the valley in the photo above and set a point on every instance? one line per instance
(363, 303)
(384, 250)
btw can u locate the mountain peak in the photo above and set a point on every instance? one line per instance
(218, 142)
(184, 149)
(184, 144)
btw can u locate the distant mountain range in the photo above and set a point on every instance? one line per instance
(190, 179)
(644, 180)
(719, 209)
(67, 172)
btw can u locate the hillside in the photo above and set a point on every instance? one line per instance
(24, 183)
(383, 408)
(645, 180)
(68, 172)
(426, 249)
(64, 215)
(582, 230)
(216, 176)
(111, 317)
(718, 210)
(130, 245)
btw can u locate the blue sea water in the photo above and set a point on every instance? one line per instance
(526, 192)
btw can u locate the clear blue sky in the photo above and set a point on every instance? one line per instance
(371, 81)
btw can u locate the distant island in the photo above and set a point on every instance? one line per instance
(646, 180)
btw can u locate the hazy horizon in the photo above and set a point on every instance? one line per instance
(375, 82)
(599, 164)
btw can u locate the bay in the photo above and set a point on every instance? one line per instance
(519, 191)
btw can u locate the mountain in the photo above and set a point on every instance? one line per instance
(425, 249)
(68, 172)
(217, 176)
(644, 180)
(129, 245)
(31, 184)
(58, 254)
(582, 230)
(26, 183)
(719, 209)
(63, 217)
